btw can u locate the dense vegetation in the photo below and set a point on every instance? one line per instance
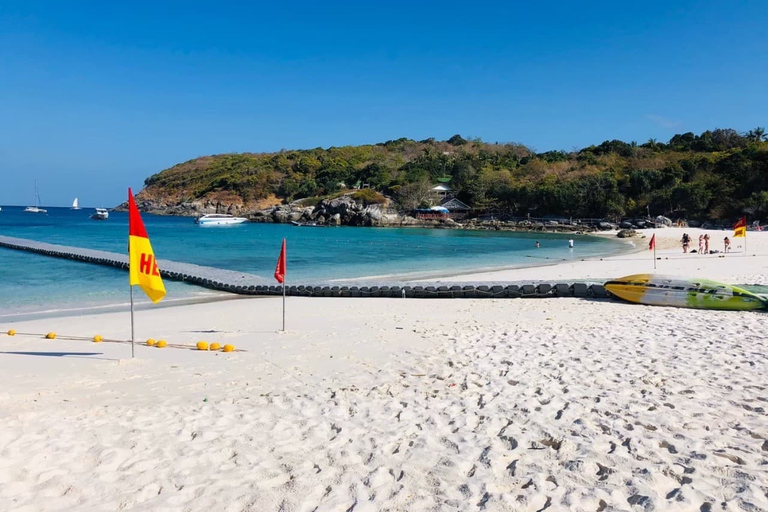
(720, 174)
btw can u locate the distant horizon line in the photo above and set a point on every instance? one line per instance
(52, 206)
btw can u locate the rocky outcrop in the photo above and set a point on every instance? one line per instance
(188, 209)
(340, 211)
(626, 233)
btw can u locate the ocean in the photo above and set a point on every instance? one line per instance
(35, 284)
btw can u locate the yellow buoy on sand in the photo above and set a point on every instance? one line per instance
(229, 348)
(98, 338)
(161, 344)
(51, 335)
(202, 345)
(151, 342)
(11, 332)
(214, 346)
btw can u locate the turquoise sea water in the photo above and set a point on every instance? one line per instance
(34, 283)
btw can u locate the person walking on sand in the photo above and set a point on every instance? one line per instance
(726, 244)
(686, 242)
(706, 243)
(701, 244)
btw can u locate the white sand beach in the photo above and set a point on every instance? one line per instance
(400, 404)
(738, 266)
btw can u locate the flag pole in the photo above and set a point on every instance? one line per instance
(654, 256)
(130, 286)
(283, 305)
(132, 348)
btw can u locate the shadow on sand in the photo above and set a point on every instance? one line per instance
(86, 355)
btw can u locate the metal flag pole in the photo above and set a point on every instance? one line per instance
(283, 304)
(132, 349)
(654, 256)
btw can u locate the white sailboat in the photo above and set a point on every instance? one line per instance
(36, 208)
(75, 206)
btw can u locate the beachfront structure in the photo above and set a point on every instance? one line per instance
(442, 190)
(456, 209)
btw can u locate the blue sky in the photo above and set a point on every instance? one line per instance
(96, 97)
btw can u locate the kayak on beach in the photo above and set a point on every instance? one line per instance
(681, 292)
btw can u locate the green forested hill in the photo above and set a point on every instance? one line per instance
(718, 174)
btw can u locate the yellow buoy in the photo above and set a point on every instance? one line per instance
(228, 348)
(11, 332)
(51, 335)
(214, 346)
(151, 342)
(202, 345)
(98, 338)
(161, 344)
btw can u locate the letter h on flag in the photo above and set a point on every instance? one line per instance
(142, 264)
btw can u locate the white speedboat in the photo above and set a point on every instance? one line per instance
(100, 214)
(36, 208)
(219, 219)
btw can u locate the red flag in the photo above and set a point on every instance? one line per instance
(280, 268)
(652, 245)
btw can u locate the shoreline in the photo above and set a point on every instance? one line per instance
(592, 269)
(213, 297)
(750, 269)
(416, 277)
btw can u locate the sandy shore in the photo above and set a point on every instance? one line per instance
(394, 404)
(738, 266)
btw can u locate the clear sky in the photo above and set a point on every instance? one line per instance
(97, 96)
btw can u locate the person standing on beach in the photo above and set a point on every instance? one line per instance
(570, 243)
(686, 242)
(706, 243)
(726, 244)
(701, 244)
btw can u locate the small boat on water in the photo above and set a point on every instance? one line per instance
(75, 205)
(219, 219)
(657, 290)
(36, 208)
(100, 214)
(310, 224)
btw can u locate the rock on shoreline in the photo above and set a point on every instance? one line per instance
(342, 211)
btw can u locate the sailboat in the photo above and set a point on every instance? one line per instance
(36, 208)
(75, 206)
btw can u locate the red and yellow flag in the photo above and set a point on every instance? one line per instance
(740, 228)
(141, 259)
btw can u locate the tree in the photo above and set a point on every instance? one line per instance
(415, 195)
(757, 135)
(693, 198)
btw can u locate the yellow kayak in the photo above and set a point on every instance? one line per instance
(681, 292)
